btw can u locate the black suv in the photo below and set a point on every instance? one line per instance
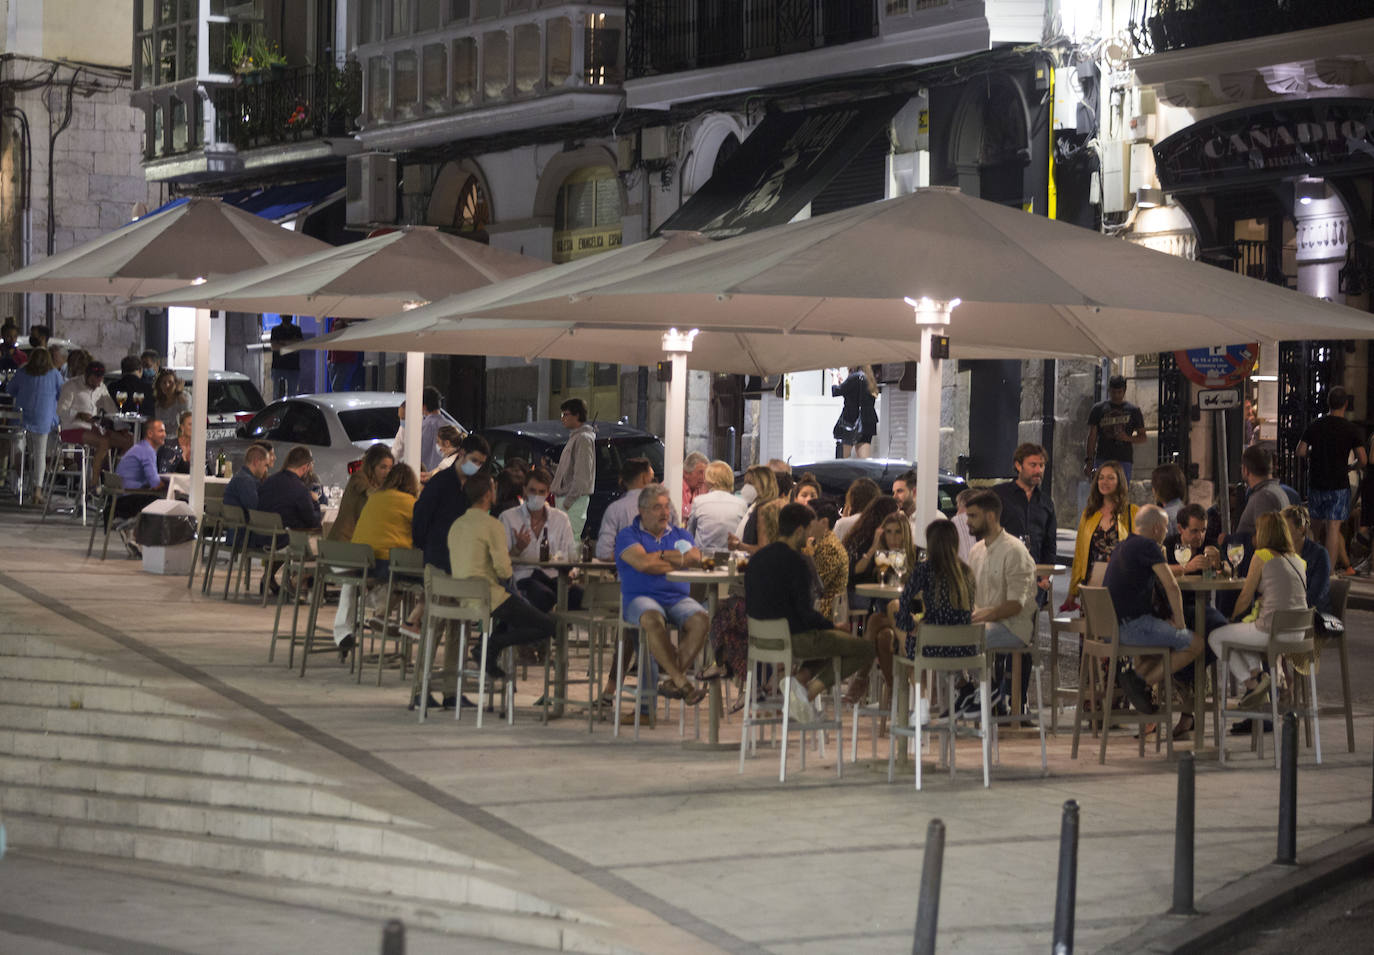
(615, 443)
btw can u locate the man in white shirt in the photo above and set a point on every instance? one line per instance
(79, 404)
(635, 475)
(530, 525)
(1004, 577)
(960, 521)
(576, 474)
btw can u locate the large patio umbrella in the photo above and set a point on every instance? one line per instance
(381, 275)
(189, 243)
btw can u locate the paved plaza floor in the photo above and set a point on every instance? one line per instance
(673, 849)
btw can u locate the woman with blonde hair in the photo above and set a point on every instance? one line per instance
(1314, 555)
(717, 512)
(169, 399)
(760, 487)
(1108, 519)
(1277, 581)
(858, 420)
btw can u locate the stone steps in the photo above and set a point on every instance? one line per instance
(150, 754)
(119, 699)
(60, 669)
(155, 727)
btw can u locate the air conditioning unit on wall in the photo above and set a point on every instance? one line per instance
(371, 189)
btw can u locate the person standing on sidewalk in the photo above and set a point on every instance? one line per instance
(1327, 444)
(286, 369)
(576, 474)
(1115, 427)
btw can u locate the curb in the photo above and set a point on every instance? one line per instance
(1262, 894)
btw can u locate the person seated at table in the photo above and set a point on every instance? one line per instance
(635, 475)
(442, 501)
(894, 555)
(478, 548)
(80, 404)
(1277, 580)
(136, 391)
(448, 438)
(510, 490)
(1106, 521)
(830, 560)
(1003, 582)
(775, 586)
(760, 486)
(1136, 568)
(942, 586)
(287, 494)
(1314, 555)
(174, 457)
(383, 524)
(533, 526)
(242, 489)
(12, 357)
(1189, 535)
(806, 491)
(269, 450)
(169, 398)
(646, 551)
(717, 510)
(860, 493)
(138, 470)
(866, 537)
(377, 464)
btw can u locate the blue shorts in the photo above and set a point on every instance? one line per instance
(678, 614)
(1149, 631)
(1329, 505)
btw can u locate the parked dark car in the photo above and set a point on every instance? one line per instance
(835, 476)
(615, 443)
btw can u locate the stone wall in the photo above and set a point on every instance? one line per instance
(98, 178)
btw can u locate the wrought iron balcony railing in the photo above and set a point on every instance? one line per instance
(288, 103)
(1163, 25)
(670, 36)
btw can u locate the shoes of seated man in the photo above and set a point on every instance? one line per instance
(1137, 692)
(452, 701)
(494, 668)
(345, 646)
(801, 709)
(431, 704)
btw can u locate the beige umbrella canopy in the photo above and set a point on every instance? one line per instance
(199, 239)
(368, 279)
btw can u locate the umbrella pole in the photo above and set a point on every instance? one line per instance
(932, 318)
(677, 345)
(415, 386)
(200, 408)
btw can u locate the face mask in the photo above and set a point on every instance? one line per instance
(534, 504)
(749, 493)
(469, 468)
(150, 373)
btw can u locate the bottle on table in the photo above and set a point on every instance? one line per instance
(544, 546)
(221, 459)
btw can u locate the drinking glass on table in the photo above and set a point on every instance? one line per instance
(120, 398)
(1184, 553)
(1234, 553)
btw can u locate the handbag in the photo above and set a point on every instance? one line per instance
(847, 432)
(1327, 624)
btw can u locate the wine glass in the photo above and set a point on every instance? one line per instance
(120, 398)
(1184, 553)
(898, 563)
(880, 561)
(1234, 553)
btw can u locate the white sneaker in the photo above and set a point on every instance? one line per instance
(802, 710)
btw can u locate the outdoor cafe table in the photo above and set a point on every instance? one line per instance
(181, 484)
(563, 570)
(133, 420)
(1204, 587)
(711, 580)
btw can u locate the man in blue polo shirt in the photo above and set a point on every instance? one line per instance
(138, 469)
(645, 552)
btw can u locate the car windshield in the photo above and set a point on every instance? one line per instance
(227, 397)
(647, 447)
(370, 424)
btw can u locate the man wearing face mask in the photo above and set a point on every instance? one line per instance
(442, 501)
(537, 530)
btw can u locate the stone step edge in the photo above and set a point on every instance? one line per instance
(431, 916)
(403, 827)
(16, 821)
(198, 724)
(318, 780)
(185, 712)
(262, 752)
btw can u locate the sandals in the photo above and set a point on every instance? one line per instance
(714, 672)
(689, 694)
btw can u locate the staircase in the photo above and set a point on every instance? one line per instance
(93, 763)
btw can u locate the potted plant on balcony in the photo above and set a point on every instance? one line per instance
(298, 120)
(241, 56)
(268, 55)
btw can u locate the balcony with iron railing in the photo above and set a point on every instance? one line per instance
(288, 104)
(1161, 26)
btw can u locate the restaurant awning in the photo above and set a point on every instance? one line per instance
(782, 166)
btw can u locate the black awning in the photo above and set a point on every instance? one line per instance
(782, 166)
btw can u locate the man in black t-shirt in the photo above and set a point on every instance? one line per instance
(1137, 566)
(1327, 444)
(286, 369)
(1115, 426)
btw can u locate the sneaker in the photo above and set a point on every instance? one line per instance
(344, 646)
(1137, 692)
(802, 710)
(432, 703)
(452, 701)
(966, 702)
(1257, 697)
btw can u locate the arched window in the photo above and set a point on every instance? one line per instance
(587, 212)
(471, 213)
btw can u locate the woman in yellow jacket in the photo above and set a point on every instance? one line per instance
(385, 520)
(1107, 520)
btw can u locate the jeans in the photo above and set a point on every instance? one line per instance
(818, 647)
(1150, 631)
(515, 623)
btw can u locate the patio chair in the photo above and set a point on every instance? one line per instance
(207, 532)
(300, 559)
(344, 565)
(1340, 596)
(600, 617)
(464, 602)
(973, 636)
(111, 491)
(1102, 643)
(770, 641)
(405, 581)
(261, 525)
(67, 467)
(1275, 652)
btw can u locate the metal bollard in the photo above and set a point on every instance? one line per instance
(928, 902)
(1183, 838)
(1067, 891)
(1288, 793)
(394, 938)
